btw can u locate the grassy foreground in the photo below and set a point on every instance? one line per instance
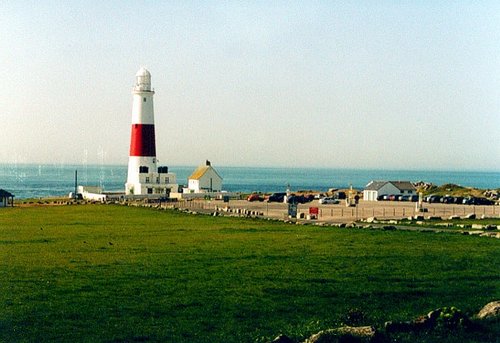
(97, 273)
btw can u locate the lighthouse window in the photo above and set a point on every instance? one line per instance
(144, 99)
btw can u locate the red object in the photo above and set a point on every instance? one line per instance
(254, 197)
(142, 142)
(314, 210)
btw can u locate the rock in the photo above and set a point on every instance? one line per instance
(392, 327)
(350, 225)
(418, 217)
(489, 234)
(393, 222)
(451, 318)
(454, 217)
(470, 216)
(389, 227)
(477, 226)
(371, 219)
(490, 310)
(282, 339)
(434, 315)
(490, 227)
(345, 334)
(425, 322)
(444, 224)
(433, 218)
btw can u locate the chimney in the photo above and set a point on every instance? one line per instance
(208, 163)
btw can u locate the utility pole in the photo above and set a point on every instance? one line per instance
(76, 184)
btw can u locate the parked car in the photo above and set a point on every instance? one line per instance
(431, 199)
(255, 197)
(276, 197)
(309, 197)
(447, 199)
(406, 198)
(300, 199)
(328, 200)
(478, 201)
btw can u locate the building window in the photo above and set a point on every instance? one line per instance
(167, 180)
(144, 99)
(150, 190)
(158, 179)
(147, 179)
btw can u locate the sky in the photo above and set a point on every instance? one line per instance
(411, 85)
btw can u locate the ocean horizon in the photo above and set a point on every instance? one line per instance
(50, 180)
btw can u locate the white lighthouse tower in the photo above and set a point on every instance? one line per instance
(144, 177)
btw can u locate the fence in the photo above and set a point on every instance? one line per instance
(398, 212)
(365, 210)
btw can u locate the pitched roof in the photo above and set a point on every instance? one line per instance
(5, 194)
(375, 185)
(200, 171)
(401, 185)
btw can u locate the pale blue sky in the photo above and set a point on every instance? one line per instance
(354, 84)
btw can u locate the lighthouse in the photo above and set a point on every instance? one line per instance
(144, 177)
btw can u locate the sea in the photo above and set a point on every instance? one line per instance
(52, 180)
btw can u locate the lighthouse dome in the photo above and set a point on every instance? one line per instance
(143, 72)
(143, 80)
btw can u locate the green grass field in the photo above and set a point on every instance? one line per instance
(97, 273)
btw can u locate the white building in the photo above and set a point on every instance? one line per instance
(374, 189)
(204, 179)
(92, 193)
(144, 176)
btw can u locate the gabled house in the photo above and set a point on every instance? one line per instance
(6, 198)
(204, 179)
(374, 189)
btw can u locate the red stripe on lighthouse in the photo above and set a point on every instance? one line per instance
(143, 140)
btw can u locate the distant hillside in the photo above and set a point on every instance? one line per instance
(456, 190)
